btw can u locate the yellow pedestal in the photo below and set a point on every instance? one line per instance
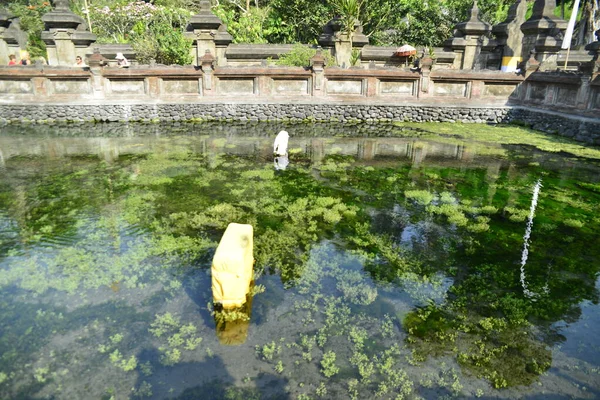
(232, 266)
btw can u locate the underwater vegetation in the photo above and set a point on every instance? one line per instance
(385, 265)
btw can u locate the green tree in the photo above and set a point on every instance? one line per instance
(300, 21)
(30, 18)
(349, 12)
(424, 23)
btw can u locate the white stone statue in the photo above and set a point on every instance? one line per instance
(281, 163)
(281, 143)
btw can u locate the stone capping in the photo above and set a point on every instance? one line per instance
(142, 71)
(257, 51)
(556, 77)
(386, 54)
(337, 73)
(262, 71)
(487, 76)
(35, 71)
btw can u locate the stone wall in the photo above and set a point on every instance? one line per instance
(563, 103)
(250, 112)
(579, 128)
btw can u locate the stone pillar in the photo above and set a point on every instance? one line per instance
(334, 38)
(96, 62)
(5, 21)
(10, 37)
(510, 36)
(327, 38)
(66, 35)
(317, 63)
(425, 65)
(594, 50)
(543, 33)
(208, 33)
(207, 62)
(469, 38)
(590, 73)
(343, 50)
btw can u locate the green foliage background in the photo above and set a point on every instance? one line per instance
(159, 37)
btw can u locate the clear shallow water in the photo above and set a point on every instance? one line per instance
(388, 263)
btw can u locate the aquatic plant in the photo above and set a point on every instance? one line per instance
(328, 364)
(517, 215)
(177, 337)
(422, 197)
(354, 287)
(573, 223)
(41, 374)
(279, 368)
(505, 134)
(144, 390)
(268, 351)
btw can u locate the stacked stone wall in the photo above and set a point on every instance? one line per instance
(579, 128)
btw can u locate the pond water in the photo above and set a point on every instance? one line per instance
(391, 261)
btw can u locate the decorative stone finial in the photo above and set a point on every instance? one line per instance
(475, 10)
(204, 5)
(317, 62)
(207, 60)
(96, 59)
(542, 18)
(474, 25)
(61, 5)
(205, 19)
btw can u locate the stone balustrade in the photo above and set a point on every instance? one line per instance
(144, 93)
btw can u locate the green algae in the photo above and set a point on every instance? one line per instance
(507, 134)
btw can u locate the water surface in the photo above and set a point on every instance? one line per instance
(390, 262)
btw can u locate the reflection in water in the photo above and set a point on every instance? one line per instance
(525, 254)
(232, 325)
(281, 163)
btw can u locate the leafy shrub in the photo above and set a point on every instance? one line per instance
(164, 44)
(155, 32)
(247, 27)
(300, 56)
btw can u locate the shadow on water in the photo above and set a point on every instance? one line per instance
(198, 289)
(269, 387)
(215, 381)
